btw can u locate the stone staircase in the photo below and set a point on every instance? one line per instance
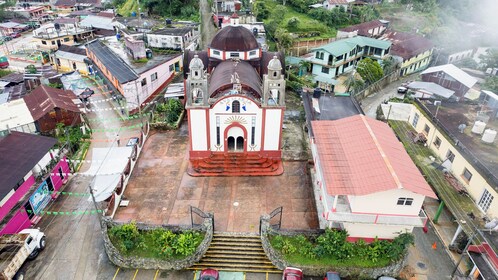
(229, 252)
(235, 165)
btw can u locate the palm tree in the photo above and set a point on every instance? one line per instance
(352, 83)
(305, 64)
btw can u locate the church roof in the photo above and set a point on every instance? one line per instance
(222, 76)
(234, 38)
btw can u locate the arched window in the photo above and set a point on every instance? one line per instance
(274, 73)
(236, 106)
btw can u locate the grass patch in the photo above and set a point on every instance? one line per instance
(158, 243)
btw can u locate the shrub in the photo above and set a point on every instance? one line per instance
(186, 243)
(126, 236)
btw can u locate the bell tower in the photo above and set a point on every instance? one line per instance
(274, 84)
(196, 84)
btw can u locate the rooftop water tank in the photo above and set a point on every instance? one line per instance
(478, 127)
(489, 136)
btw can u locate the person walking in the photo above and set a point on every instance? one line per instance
(117, 139)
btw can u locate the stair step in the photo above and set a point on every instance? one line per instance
(237, 257)
(231, 235)
(236, 244)
(276, 270)
(248, 253)
(240, 240)
(235, 261)
(254, 249)
(234, 265)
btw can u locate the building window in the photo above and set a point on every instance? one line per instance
(153, 77)
(44, 42)
(252, 53)
(218, 136)
(171, 68)
(317, 55)
(485, 200)
(236, 106)
(437, 142)
(253, 130)
(234, 55)
(325, 70)
(467, 175)
(450, 156)
(74, 65)
(405, 201)
(427, 129)
(216, 52)
(53, 42)
(66, 39)
(144, 82)
(18, 184)
(61, 173)
(415, 120)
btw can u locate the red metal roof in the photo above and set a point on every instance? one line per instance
(44, 99)
(360, 156)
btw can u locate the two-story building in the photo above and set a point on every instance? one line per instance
(365, 182)
(336, 58)
(31, 171)
(451, 77)
(51, 36)
(70, 58)
(374, 29)
(134, 82)
(412, 51)
(185, 38)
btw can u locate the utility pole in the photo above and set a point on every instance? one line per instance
(96, 206)
(463, 253)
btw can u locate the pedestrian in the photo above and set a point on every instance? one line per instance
(117, 139)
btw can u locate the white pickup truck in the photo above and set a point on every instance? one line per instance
(16, 248)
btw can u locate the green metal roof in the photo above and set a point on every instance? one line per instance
(340, 47)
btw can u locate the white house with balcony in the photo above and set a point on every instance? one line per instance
(336, 58)
(186, 38)
(365, 182)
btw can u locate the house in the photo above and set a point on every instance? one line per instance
(185, 38)
(336, 58)
(489, 101)
(229, 6)
(366, 183)
(412, 51)
(235, 101)
(134, 82)
(70, 58)
(450, 56)
(31, 170)
(34, 13)
(484, 260)
(451, 77)
(49, 106)
(374, 29)
(9, 27)
(68, 6)
(100, 25)
(51, 36)
(331, 4)
(15, 115)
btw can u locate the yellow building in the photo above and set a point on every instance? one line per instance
(413, 51)
(51, 37)
(69, 58)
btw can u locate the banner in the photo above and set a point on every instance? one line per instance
(40, 198)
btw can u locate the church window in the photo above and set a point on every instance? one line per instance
(216, 52)
(196, 73)
(234, 54)
(236, 106)
(251, 53)
(218, 136)
(253, 130)
(274, 73)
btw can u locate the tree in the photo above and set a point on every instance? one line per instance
(490, 59)
(352, 83)
(491, 84)
(388, 65)
(284, 39)
(369, 70)
(306, 64)
(293, 22)
(278, 13)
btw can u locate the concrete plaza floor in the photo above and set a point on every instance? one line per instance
(160, 191)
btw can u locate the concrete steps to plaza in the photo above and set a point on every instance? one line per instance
(230, 252)
(235, 165)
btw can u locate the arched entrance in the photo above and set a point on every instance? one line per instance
(235, 139)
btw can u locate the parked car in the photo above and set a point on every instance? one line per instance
(332, 275)
(15, 35)
(292, 273)
(6, 38)
(4, 62)
(209, 274)
(402, 89)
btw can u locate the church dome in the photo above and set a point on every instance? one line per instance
(275, 64)
(196, 63)
(234, 38)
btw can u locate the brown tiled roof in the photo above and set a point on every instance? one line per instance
(72, 49)
(360, 156)
(407, 45)
(222, 75)
(106, 14)
(44, 99)
(363, 28)
(234, 38)
(19, 153)
(337, 2)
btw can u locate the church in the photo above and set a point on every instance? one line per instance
(235, 102)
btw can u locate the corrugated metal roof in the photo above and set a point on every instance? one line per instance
(97, 22)
(341, 47)
(117, 66)
(360, 156)
(432, 87)
(455, 72)
(44, 99)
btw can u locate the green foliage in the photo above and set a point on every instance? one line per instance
(141, 60)
(31, 69)
(70, 134)
(157, 243)
(467, 62)
(55, 85)
(5, 72)
(293, 22)
(332, 248)
(369, 70)
(179, 9)
(490, 59)
(491, 84)
(171, 110)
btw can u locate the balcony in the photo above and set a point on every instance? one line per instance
(380, 219)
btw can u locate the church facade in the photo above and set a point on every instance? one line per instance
(235, 100)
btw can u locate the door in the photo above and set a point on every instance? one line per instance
(235, 139)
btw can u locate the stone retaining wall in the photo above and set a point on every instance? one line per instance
(148, 263)
(353, 272)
